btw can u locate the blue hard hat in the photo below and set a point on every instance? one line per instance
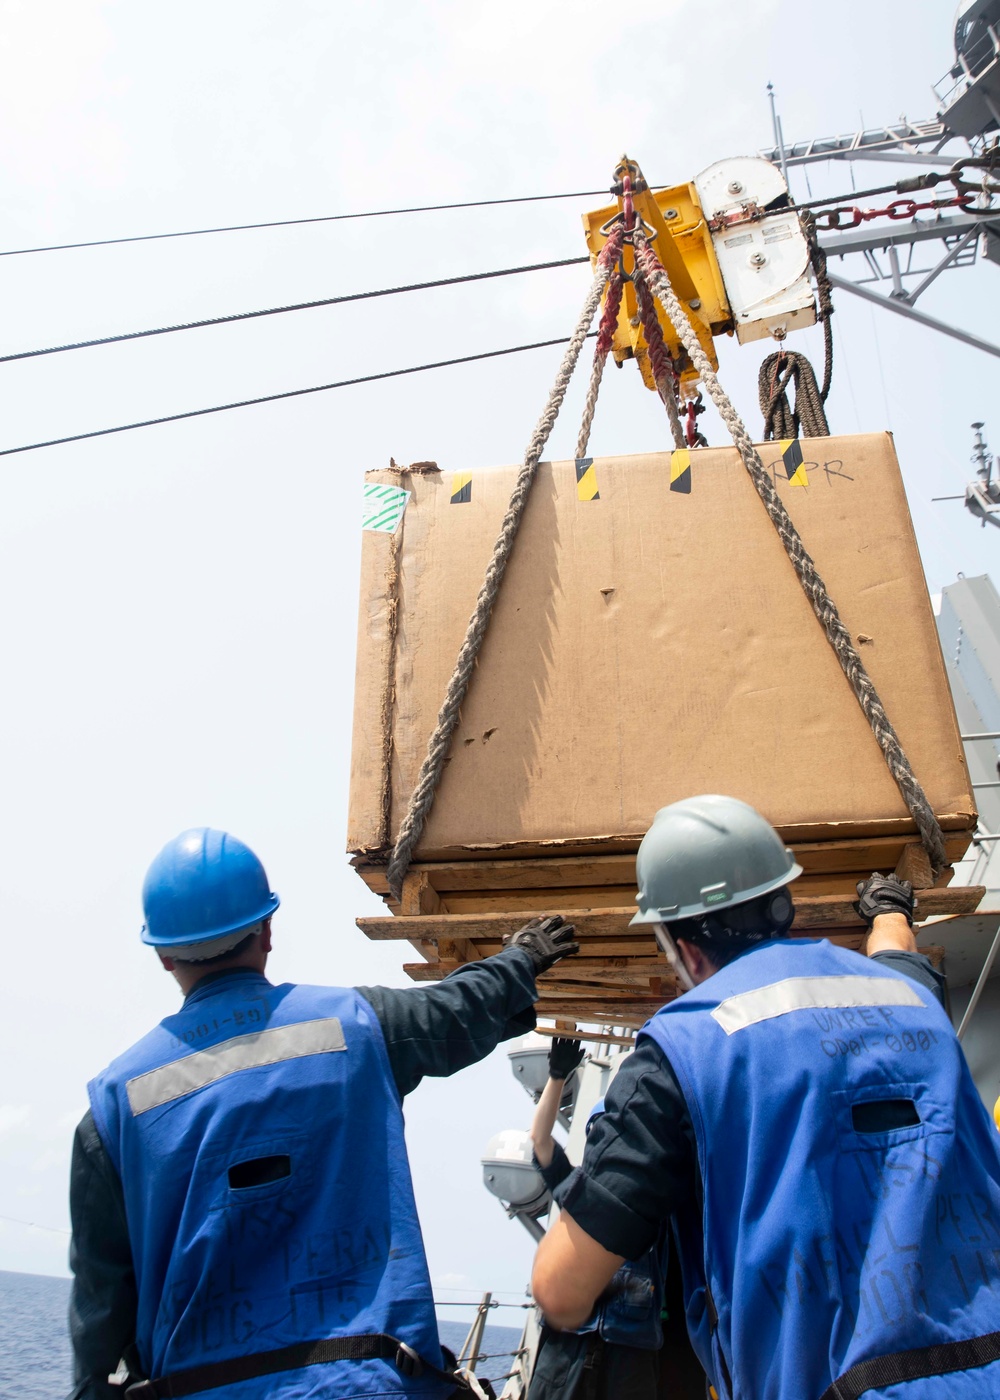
(203, 885)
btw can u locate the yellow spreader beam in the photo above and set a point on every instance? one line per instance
(683, 243)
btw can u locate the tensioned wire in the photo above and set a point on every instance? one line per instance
(410, 209)
(295, 306)
(286, 394)
(318, 219)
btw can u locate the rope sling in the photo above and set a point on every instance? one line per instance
(651, 280)
(808, 417)
(785, 367)
(422, 797)
(815, 589)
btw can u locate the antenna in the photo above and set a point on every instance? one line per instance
(981, 497)
(779, 137)
(981, 458)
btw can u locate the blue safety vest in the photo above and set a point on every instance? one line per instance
(258, 1135)
(632, 1315)
(832, 1231)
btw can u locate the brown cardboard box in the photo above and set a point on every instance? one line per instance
(649, 644)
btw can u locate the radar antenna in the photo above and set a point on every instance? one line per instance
(982, 496)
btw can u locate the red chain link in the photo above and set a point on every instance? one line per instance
(628, 210)
(849, 216)
(692, 436)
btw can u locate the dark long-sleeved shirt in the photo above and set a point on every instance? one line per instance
(558, 1170)
(430, 1031)
(641, 1162)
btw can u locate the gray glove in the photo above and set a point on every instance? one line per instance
(546, 941)
(884, 894)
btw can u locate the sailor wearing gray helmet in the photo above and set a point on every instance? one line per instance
(798, 1115)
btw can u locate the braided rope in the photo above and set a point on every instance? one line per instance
(808, 418)
(813, 585)
(665, 375)
(817, 256)
(669, 398)
(590, 405)
(809, 411)
(605, 333)
(422, 797)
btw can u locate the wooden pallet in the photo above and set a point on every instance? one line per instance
(468, 886)
(455, 912)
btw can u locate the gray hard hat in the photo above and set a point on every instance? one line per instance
(705, 854)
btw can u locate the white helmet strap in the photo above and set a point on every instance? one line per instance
(672, 954)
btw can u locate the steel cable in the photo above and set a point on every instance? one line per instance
(317, 219)
(295, 306)
(286, 394)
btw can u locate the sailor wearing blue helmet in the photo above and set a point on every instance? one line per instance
(243, 1217)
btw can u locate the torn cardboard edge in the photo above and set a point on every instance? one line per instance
(959, 824)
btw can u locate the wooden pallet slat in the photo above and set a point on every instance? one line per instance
(645, 974)
(600, 971)
(842, 856)
(814, 912)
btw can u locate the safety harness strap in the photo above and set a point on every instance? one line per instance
(921, 1362)
(377, 1346)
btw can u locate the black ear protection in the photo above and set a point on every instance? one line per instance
(772, 911)
(770, 916)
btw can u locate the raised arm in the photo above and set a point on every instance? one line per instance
(886, 905)
(441, 1029)
(890, 933)
(639, 1168)
(564, 1056)
(546, 1112)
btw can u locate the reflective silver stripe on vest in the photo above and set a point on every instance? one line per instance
(806, 993)
(173, 1081)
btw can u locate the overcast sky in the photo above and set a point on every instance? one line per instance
(179, 613)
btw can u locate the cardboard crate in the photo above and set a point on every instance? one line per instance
(649, 643)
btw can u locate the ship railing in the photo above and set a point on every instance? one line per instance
(969, 67)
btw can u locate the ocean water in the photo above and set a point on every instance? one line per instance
(34, 1342)
(35, 1361)
(499, 1347)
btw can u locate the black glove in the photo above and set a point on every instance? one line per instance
(884, 894)
(545, 940)
(564, 1057)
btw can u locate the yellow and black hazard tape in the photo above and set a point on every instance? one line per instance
(461, 488)
(791, 456)
(586, 480)
(680, 471)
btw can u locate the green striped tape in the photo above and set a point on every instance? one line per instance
(383, 507)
